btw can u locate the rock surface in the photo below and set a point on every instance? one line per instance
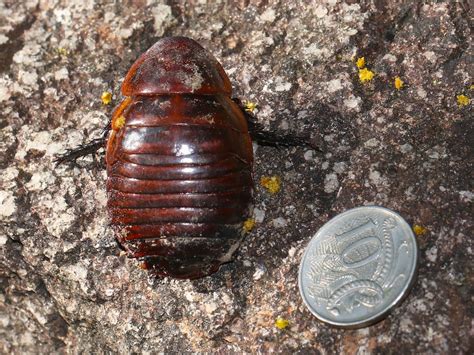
(66, 286)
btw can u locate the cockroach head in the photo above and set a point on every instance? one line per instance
(176, 65)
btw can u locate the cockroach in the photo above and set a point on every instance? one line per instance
(179, 161)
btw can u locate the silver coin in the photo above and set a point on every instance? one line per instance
(358, 266)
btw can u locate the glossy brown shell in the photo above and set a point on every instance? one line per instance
(179, 162)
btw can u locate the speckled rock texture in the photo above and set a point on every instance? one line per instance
(66, 287)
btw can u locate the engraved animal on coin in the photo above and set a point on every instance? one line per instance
(352, 267)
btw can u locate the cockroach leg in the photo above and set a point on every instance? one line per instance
(106, 130)
(278, 139)
(90, 148)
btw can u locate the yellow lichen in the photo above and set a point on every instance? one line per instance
(360, 62)
(398, 83)
(118, 123)
(471, 87)
(250, 106)
(419, 230)
(281, 323)
(106, 97)
(365, 75)
(249, 224)
(271, 183)
(463, 100)
(62, 51)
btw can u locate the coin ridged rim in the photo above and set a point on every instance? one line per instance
(402, 294)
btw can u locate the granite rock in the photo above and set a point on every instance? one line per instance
(66, 287)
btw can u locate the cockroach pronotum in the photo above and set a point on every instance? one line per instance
(179, 161)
